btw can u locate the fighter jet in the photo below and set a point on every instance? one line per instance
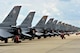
(5, 26)
(39, 28)
(48, 27)
(58, 28)
(26, 26)
(54, 31)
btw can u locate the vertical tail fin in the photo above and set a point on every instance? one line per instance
(49, 23)
(28, 20)
(41, 23)
(55, 21)
(54, 24)
(58, 27)
(12, 17)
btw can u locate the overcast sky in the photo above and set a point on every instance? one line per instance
(67, 11)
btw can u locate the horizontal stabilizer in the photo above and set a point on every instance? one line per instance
(24, 33)
(5, 34)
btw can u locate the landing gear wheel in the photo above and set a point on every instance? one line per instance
(30, 38)
(44, 36)
(39, 37)
(6, 40)
(49, 35)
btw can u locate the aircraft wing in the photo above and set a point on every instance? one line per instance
(5, 34)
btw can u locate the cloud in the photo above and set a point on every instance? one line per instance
(20, 19)
(52, 8)
(65, 0)
(45, 12)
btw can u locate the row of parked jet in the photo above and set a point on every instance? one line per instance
(41, 29)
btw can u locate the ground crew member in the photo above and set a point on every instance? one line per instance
(17, 36)
(17, 39)
(62, 35)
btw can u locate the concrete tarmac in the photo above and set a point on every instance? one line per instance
(44, 45)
